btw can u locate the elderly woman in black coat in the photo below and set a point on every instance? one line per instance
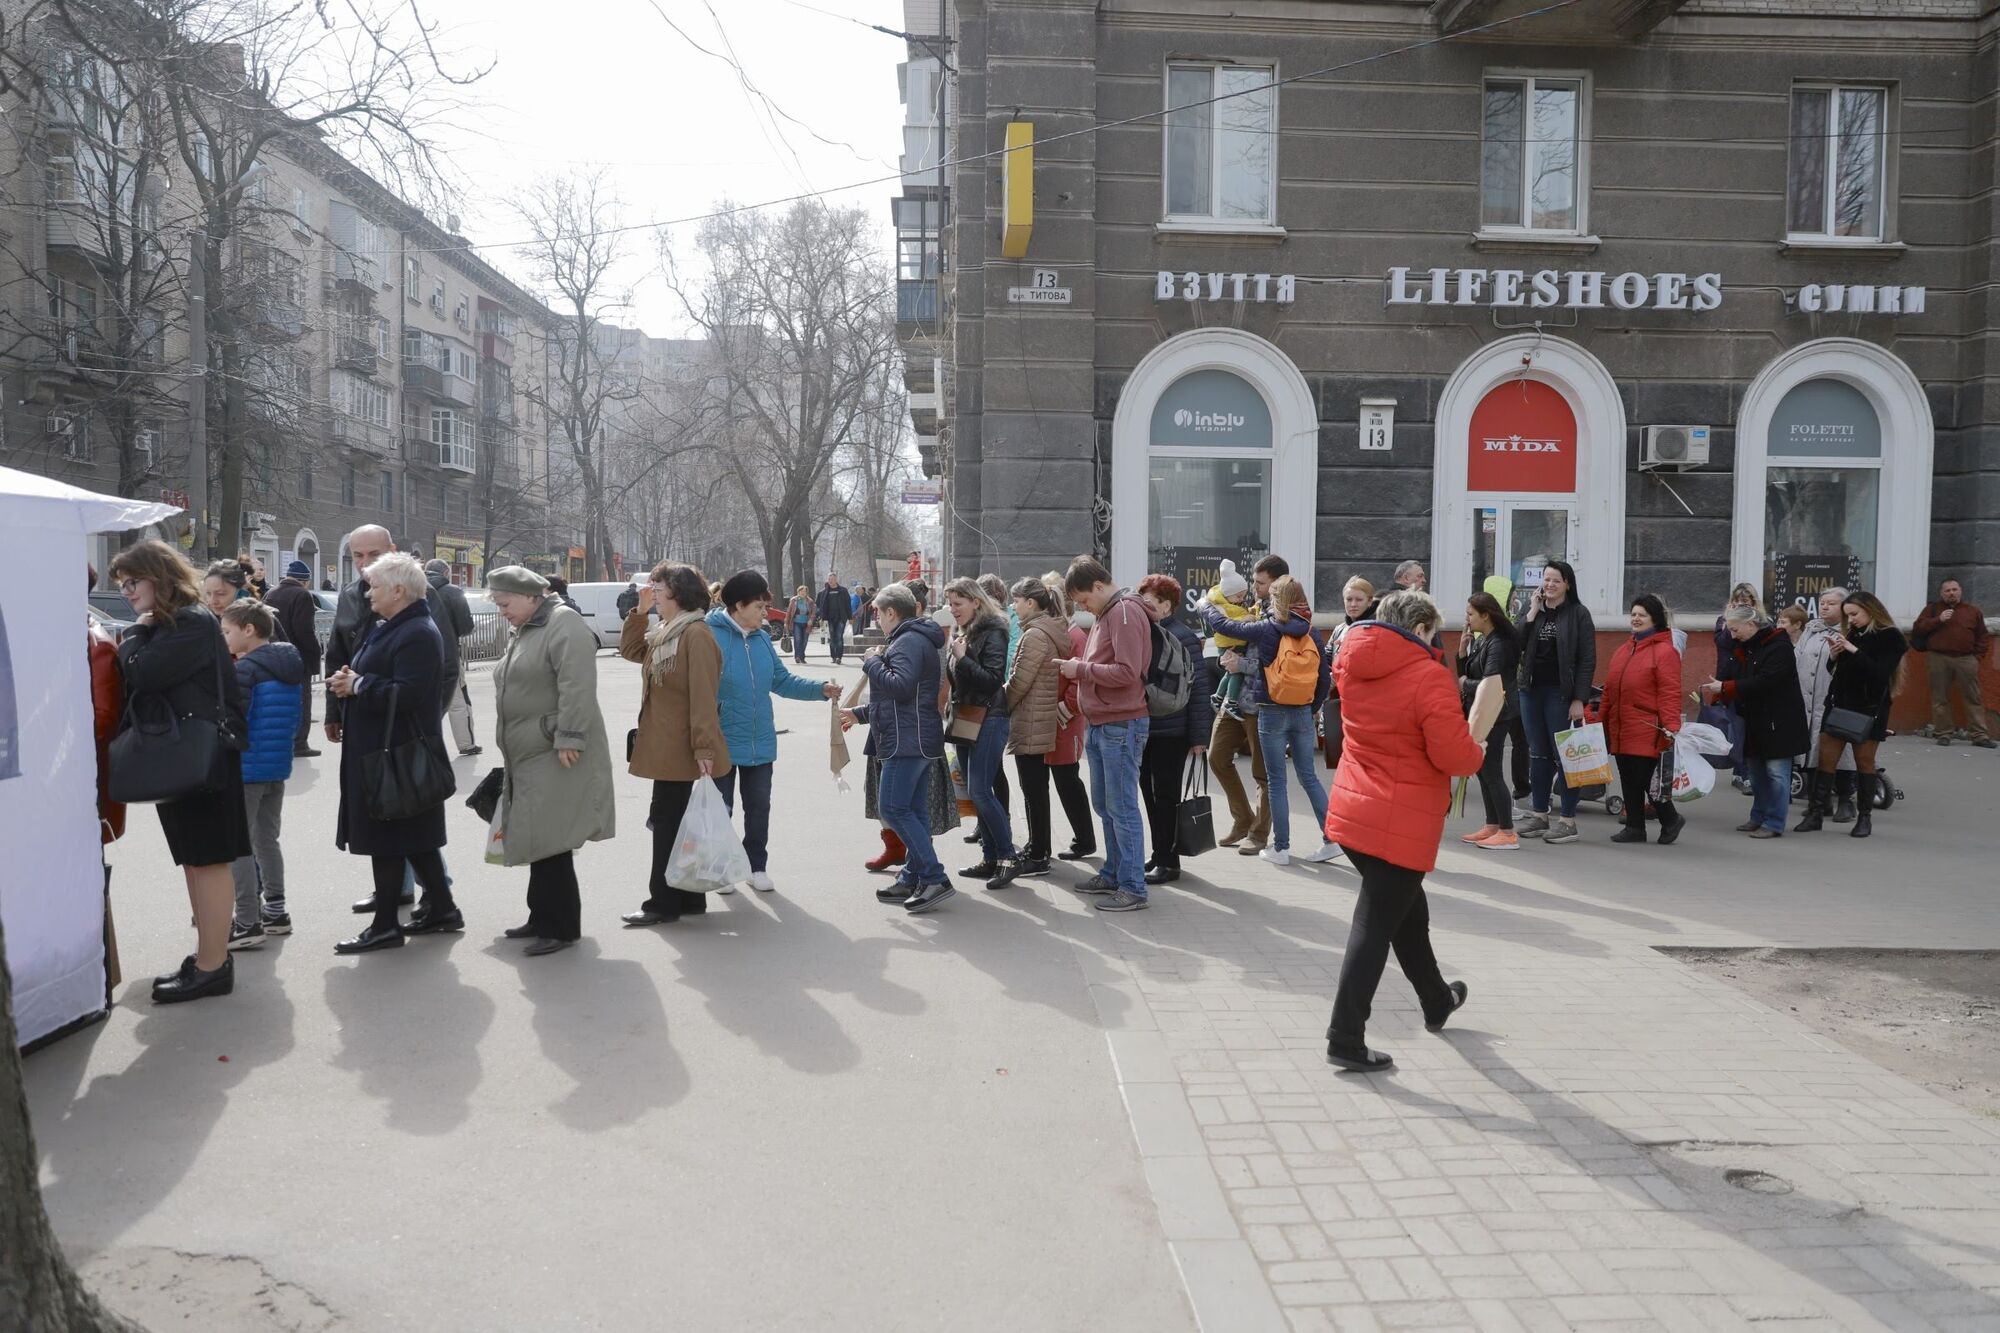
(392, 695)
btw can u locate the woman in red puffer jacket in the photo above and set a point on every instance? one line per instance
(1404, 738)
(1641, 710)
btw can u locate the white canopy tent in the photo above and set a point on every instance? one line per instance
(51, 876)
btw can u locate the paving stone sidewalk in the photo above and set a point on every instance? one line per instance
(1602, 1139)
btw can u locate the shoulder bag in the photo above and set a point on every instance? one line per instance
(966, 720)
(173, 758)
(404, 781)
(1851, 724)
(1194, 819)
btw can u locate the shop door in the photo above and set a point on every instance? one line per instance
(1516, 539)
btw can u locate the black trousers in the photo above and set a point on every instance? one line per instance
(1391, 913)
(1075, 798)
(555, 904)
(388, 871)
(1036, 772)
(1517, 732)
(1161, 772)
(1033, 770)
(670, 803)
(1492, 783)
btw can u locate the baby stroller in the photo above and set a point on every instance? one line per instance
(1887, 793)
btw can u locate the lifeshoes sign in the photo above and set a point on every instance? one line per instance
(1550, 289)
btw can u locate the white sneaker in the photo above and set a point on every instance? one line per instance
(727, 888)
(1330, 851)
(1277, 856)
(761, 882)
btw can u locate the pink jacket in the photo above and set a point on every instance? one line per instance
(1111, 682)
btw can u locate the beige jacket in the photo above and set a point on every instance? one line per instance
(1034, 686)
(679, 724)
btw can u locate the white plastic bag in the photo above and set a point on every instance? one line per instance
(496, 843)
(1586, 758)
(1704, 737)
(707, 857)
(1694, 776)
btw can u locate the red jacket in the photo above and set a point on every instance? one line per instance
(1642, 695)
(1404, 738)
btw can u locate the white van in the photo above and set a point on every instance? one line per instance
(599, 604)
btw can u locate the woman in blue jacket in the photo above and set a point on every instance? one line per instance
(751, 673)
(907, 731)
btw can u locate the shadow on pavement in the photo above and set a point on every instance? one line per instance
(411, 1029)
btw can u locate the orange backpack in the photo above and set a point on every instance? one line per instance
(1293, 677)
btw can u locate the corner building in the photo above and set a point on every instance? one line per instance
(1684, 293)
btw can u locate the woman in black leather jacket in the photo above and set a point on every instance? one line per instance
(1870, 658)
(978, 658)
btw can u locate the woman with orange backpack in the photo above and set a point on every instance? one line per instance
(1295, 685)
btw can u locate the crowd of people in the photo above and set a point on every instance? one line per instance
(1055, 671)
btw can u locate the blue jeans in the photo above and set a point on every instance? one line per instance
(903, 799)
(1544, 712)
(836, 630)
(756, 808)
(410, 875)
(1279, 726)
(1116, 750)
(1770, 791)
(799, 632)
(981, 761)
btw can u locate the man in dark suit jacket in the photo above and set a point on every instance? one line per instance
(836, 608)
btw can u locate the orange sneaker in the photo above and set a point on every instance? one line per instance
(1481, 834)
(1503, 840)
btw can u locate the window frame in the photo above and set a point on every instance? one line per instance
(1528, 78)
(1884, 233)
(1211, 221)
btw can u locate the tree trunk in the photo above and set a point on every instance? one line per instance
(38, 1288)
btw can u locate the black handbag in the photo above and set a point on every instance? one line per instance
(171, 758)
(1194, 819)
(485, 798)
(1848, 724)
(404, 781)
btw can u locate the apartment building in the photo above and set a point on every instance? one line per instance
(921, 214)
(1683, 293)
(378, 374)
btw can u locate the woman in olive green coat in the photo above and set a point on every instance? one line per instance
(558, 791)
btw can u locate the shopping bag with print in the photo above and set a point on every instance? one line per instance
(708, 856)
(496, 833)
(1586, 758)
(1694, 776)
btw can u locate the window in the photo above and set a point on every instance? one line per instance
(918, 257)
(347, 487)
(444, 426)
(299, 213)
(413, 277)
(1221, 144)
(437, 296)
(305, 481)
(465, 364)
(1531, 158)
(1835, 178)
(385, 343)
(388, 492)
(360, 398)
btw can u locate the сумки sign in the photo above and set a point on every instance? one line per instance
(1547, 289)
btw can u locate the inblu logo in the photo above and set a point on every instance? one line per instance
(1209, 421)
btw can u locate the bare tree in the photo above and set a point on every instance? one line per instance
(39, 1289)
(797, 307)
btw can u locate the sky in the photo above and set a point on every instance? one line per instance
(609, 83)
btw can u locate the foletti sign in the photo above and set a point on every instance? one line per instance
(1550, 289)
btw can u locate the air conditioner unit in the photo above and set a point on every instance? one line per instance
(1673, 448)
(437, 304)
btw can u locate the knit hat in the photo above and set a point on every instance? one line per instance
(298, 570)
(1232, 583)
(438, 567)
(517, 579)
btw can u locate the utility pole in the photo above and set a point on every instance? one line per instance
(197, 486)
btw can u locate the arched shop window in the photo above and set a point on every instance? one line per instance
(1213, 458)
(1529, 468)
(1833, 476)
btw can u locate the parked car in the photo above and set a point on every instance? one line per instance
(489, 631)
(108, 624)
(599, 604)
(112, 606)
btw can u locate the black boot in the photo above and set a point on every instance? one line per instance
(1816, 785)
(1864, 817)
(1843, 790)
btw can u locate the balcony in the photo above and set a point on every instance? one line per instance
(76, 227)
(454, 457)
(1587, 20)
(500, 411)
(366, 436)
(503, 454)
(928, 457)
(924, 412)
(284, 318)
(356, 349)
(916, 306)
(923, 150)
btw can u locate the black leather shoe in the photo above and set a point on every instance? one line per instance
(195, 984)
(434, 923)
(304, 752)
(366, 906)
(895, 892)
(371, 939)
(929, 898)
(1077, 853)
(530, 931)
(1672, 821)
(972, 836)
(1034, 865)
(645, 916)
(1163, 874)
(540, 947)
(187, 966)
(1358, 1058)
(1004, 874)
(1629, 834)
(984, 870)
(1458, 996)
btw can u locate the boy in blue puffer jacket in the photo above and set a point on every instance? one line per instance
(269, 674)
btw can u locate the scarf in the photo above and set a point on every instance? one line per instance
(663, 642)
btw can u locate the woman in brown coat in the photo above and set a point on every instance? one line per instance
(1034, 689)
(679, 737)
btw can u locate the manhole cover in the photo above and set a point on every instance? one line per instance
(1757, 1182)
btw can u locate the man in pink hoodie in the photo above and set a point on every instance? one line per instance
(1111, 688)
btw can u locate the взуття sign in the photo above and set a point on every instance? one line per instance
(1551, 289)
